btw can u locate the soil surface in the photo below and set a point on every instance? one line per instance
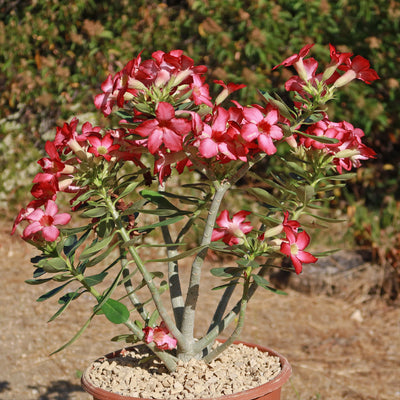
(342, 339)
(133, 372)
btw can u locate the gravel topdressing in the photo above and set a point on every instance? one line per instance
(133, 374)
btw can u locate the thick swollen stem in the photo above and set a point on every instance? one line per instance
(168, 359)
(239, 326)
(175, 290)
(208, 339)
(131, 293)
(146, 276)
(194, 283)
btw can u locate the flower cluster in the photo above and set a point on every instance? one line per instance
(169, 122)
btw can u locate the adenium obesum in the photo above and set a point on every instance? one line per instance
(173, 157)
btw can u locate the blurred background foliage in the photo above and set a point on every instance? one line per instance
(55, 54)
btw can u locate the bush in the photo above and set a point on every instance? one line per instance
(54, 54)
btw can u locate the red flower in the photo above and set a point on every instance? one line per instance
(297, 61)
(357, 68)
(221, 136)
(102, 147)
(262, 127)
(231, 231)
(165, 129)
(293, 246)
(348, 151)
(44, 222)
(45, 186)
(200, 92)
(160, 336)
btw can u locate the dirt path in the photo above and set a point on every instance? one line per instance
(338, 348)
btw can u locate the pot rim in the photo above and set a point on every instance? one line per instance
(253, 393)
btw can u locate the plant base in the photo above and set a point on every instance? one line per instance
(270, 390)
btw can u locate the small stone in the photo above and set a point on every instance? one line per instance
(356, 316)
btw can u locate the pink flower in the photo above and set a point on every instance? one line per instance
(53, 163)
(160, 336)
(221, 136)
(291, 225)
(262, 128)
(337, 58)
(231, 231)
(350, 142)
(357, 68)
(293, 246)
(102, 147)
(297, 61)
(348, 151)
(200, 92)
(227, 90)
(24, 212)
(165, 129)
(44, 222)
(110, 87)
(45, 186)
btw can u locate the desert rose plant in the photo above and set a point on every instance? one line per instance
(176, 166)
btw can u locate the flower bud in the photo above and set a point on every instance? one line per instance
(347, 77)
(162, 78)
(222, 96)
(79, 151)
(135, 84)
(68, 170)
(181, 77)
(291, 141)
(347, 153)
(276, 230)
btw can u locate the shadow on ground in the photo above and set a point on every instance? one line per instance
(57, 390)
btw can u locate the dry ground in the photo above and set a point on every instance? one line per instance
(340, 347)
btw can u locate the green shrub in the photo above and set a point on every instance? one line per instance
(54, 54)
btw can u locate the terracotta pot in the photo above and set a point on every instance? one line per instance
(268, 391)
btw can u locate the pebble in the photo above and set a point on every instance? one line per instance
(236, 369)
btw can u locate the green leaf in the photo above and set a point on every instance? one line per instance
(93, 280)
(248, 263)
(129, 189)
(153, 318)
(326, 219)
(163, 212)
(83, 197)
(95, 212)
(105, 227)
(321, 139)
(282, 107)
(183, 199)
(52, 292)
(264, 196)
(72, 243)
(260, 281)
(37, 281)
(94, 261)
(128, 338)
(180, 255)
(79, 333)
(63, 277)
(158, 198)
(95, 247)
(71, 231)
(226, 272)
(342, 177)
(168, 221)
(107, 294)
(229, 284)
(115, 312)
(53, 264)
(65, 301)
